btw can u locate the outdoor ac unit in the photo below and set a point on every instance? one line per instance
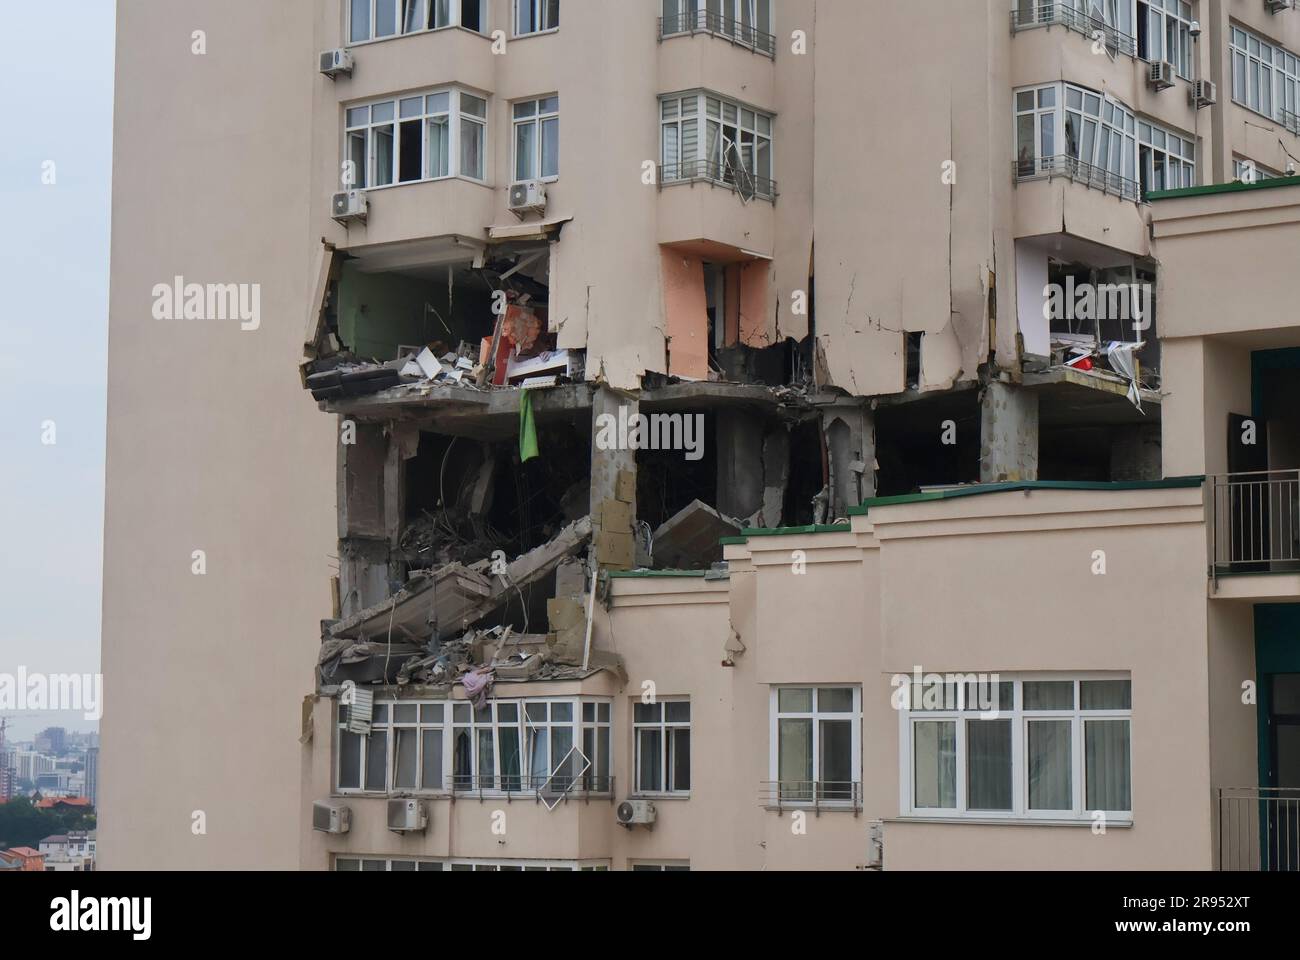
(1276, 6)
(330, 816)
(334, 62)
(1204, 93)
(527, 197)
(407, 816)
(631, 812)
(349, 205)
(1162, 75)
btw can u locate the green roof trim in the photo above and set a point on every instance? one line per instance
(1234, 187)
(647, 574)
(793, 531)
(1172, 483)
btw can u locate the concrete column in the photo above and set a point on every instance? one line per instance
(1008, 433)
(850, 430)
(613, 479)
(738, 441)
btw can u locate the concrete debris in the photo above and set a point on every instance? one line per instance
(689, 540)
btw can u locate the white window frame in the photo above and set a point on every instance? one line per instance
(536, 119)
(1166, 18)
(358, 121)
(659, 866)
(712, 115)
(817, 715)
(591, 784)
(1157, 143)
(1262, 68)
(1104, 113)
(455, 9)
(425, 865)
(542, 17)
(1241, 166)
(1020, 720)
(665, 727)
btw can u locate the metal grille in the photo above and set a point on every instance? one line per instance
(1028, 15)
(1255, 521)
(706, 21)
(1259, 828)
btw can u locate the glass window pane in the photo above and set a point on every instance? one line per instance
(431, 713)
(471, 149)
(561, 713)
(1105, 694)
(1049, 694)
(539, 766)
(381, 112)
(411, 107)
(525, 16)
(511, 760)
(835, 700)
(794, 762)
(527, 108)
(431, 769)
(410, 166)
(437, 103)
(342, 865)
(349, 761)
(835, 753)
(525, 150)
(377, 760)
(462, 759)
(461, 712)
(357, 159)
(358, 116)
(549, 105)
(440, 147)
(1047, 755)
(1106, 756)
(383, 138)
(551, 147)
(647, 712)
(385, 18)
(1047, 97)
(988, 764)
(679, 759)
(1025, 101)
(649, 758)
(935, 759)
(360, 20)
(403, 866)
(677, 711)
(405, 752)
(794, 700)
(486, 758)
(474, 106)
(588, 713)
(603, 712)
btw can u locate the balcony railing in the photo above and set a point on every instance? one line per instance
(527, 787)
(707, 21)
(1259, 828)
(1254, 521)
(736, 179)
(1291, 121)
(1090, 175)
(816, 795)
(1028, 14)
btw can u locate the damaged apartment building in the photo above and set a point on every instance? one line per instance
(606, 314)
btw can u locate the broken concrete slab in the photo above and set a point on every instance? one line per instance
(689, 540)
(433, 602)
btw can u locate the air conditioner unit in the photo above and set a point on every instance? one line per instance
(631, 812)
(527, 197)
(1277, 6)
(334, 62)
(1162, 75)
(331, 816)
(1204, 94)
(349, 205)
(407, 816)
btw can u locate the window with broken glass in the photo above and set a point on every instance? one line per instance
(427, 136)
(507, 746)
(383, 19)
(662, 734)
(703, 137)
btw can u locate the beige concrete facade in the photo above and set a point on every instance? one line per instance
(869, 322)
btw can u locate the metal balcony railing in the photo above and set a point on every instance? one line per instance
(1090, 175)
(1254, 521)
(1028, 14)
(729, 28)
(816, 795)
(1259, 828)
(1290, 120)
(527, 787)
(736, 179)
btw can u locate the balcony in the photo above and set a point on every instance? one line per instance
(1029, 14)
(1259, 828)
(1094, 177)
(730, 176)
(548, 790)
(815, 795)
(695, 22)
(1254, 521)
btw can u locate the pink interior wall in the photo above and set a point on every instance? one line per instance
(685, 309)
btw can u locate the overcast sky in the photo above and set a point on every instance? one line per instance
(57, 74)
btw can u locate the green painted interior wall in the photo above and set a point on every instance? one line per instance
(379, 311)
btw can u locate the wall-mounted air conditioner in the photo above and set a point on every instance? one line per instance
(331, 816)
(349, 205)
(527, 197)
(631, 812)
(407, 816)
(334, 62)
(1277, 6)
(1204, 94)
(1162, 75)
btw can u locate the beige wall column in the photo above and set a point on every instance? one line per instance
(1008, 433)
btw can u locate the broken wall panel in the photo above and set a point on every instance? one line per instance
(686, 315)
(757, 328)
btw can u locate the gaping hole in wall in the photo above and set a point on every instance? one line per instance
(928, 442)
(808, 473)
(667, 481)
(466, 498)
(1087, 434)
